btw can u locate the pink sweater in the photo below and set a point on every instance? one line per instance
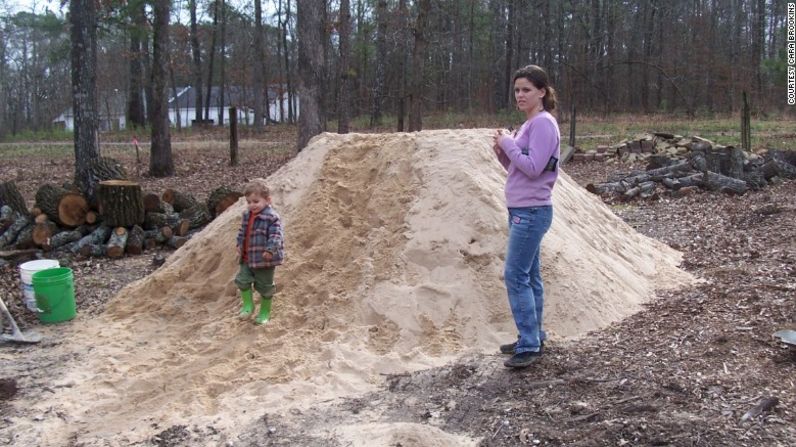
(528, 183)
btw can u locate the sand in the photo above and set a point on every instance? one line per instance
(395, 247)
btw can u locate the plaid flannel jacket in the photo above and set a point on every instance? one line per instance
(266, 235)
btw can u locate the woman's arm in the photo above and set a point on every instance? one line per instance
(542, 142)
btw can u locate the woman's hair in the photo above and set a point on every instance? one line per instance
(538, 77)
(257, 187)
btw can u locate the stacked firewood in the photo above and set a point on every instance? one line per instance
(122, 218)
(699, 164)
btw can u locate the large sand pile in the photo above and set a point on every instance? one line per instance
(395, 250)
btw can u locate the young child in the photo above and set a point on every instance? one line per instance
(260, 249)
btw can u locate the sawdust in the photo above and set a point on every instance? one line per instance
(395, 248)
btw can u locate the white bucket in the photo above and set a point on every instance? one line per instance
(26, 272)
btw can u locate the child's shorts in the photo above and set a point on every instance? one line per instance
(263, 280)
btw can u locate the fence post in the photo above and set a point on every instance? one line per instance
(233, 136)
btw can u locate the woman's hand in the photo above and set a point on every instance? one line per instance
(496, 142)
(267, 256)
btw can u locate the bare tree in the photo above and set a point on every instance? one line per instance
(258, 66)
(344, 86)
(381, 61)
(212, 54)
(310, 63)
(197, 62)
(83, 21)
(418, 67)
(161, 163)
(135, 93)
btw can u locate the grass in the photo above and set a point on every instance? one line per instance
(592, 130)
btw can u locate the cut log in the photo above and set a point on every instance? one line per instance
(180, 201)
(778, 166)
(135, 241)
(25, 238)
(66, 208)
(197, 216)
(95, 238)
(606, 188)
(10, 196)
(43, 231)
(7, 216)
(41, 218)
(159, 220)
(116, 243)
(152, 203)
(63, 238)
(92, 217)
(690, 180)
(120, 203)
(11, 233)
(642, 188)
(177, 241)
(150, 244)
(718, 182)
(160, 236)
(18, 255)
(221, 199)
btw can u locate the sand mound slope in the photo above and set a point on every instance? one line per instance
(395, 245)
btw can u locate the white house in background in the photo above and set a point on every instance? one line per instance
(111, 108)
(182, 102)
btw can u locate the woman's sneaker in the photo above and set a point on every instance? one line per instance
(522, 360)
(509, 348)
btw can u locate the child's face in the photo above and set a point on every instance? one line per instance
(257, 203)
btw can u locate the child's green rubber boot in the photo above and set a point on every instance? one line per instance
(248, 303)
(265, 311)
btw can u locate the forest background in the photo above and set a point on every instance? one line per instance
(395, 60)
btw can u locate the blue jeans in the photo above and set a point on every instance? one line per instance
(523, 275)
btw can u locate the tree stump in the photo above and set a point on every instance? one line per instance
(120, 203)
(221, 199)
(135, 241)
(179, 201)
(100, 169)
(10, 196)
(66, 208)
(117, 242)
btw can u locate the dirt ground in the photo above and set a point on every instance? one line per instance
(683, 372)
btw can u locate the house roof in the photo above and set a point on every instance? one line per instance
(234, 96)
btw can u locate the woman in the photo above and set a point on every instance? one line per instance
(531, 159)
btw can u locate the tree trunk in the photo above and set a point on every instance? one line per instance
(99, 169)
(223, 64)
(10, 196)
(344, 88)
(120, 203)
(161, 163)
(212, 53)
(403, 71)
(418, 67)
(67, 208)
(381, 61)
(197, 63)
(135, 100)
(152, 203)
(258, 66)
(83, 20)
(310, 63)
